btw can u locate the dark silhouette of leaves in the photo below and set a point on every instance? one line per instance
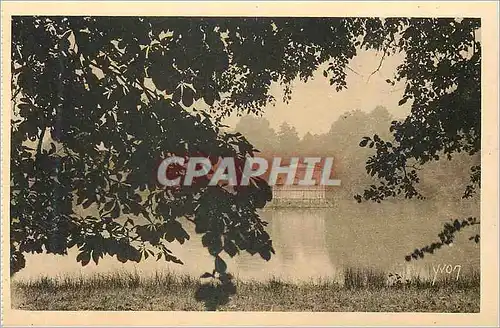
(220, 265)
(446, 237)
(207, 275)
(216, 293)
(445, 114)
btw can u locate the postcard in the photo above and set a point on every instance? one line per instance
(249, 163)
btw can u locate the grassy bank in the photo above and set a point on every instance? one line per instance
(361, 291)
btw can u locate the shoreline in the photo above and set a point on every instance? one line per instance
(362, 291)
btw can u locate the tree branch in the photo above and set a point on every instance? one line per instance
(352, 70)
(40, 140)
(379, 66)
(15, 94)
(413, 167)
(148, 92)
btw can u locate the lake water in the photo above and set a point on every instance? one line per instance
(313, 243)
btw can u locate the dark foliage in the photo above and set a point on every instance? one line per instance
(442, 71)
(446, 237)
(213, 295)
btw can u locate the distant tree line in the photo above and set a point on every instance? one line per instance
(443, 180)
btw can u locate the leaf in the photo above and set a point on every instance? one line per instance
(121, 255)
(164, 76)
(176, 97)
(265, 254)
(95, 256)
(403, 101)
(363, 143)
(108, 205)
(220, 265)
(116, 211)
(83, 257)
(213, 242)
(207, 275)
(187, 96)
(209, 96)
(230, 248)
(52, 148)
(87, 203)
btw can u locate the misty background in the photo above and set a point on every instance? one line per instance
(444, 180)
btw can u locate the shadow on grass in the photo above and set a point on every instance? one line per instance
(215, 294)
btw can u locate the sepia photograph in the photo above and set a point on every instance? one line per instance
(249, 162)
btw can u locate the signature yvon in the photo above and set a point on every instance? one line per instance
(447, 269)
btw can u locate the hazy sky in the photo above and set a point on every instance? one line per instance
(315, 105)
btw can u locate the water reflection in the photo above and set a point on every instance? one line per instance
(313, 243)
